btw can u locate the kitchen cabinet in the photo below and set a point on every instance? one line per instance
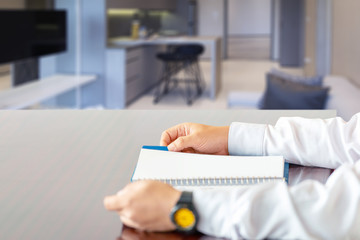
(130, 73)
(143, 4)
(134, 74)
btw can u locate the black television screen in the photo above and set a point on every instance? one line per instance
(27, 34)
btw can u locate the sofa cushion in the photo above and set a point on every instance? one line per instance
(284, 94)
(312, 81)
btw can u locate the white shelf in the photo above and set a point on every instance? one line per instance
(43, 89)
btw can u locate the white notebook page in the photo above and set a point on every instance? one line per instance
(155, 164)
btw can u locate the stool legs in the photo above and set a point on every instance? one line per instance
(192, 76)
(200, 85)
(163, 86)
(194, 73)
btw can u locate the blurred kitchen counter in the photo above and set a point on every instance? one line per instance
(126, 42)
(133, 69)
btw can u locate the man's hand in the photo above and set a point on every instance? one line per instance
(145, 205)
(196, 138)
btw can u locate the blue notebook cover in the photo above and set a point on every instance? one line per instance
(163, 148)
(286, 172)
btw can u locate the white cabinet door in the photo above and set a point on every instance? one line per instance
(131, 73)
(134, 73)
(143, 71)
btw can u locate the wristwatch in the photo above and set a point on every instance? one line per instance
(184, 214)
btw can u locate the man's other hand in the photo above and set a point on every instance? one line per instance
(145, 205)
(196, 138)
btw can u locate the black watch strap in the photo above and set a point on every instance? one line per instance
(183, 211)
(186, 197)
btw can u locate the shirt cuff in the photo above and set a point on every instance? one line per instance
(246, 139)
(214, 212)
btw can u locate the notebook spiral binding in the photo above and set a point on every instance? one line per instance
(227, 181)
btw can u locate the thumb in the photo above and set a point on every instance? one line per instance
(111, 203)
(181, 143)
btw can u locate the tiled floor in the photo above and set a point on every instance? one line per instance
(237, 75)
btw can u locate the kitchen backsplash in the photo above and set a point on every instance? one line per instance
(155, 21)
(120, 21)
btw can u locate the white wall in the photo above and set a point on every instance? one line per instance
(346, 38)
(210, 17)
(246, 17)
(210, 20)
(249, 17)
(4, 69)
(12, 4)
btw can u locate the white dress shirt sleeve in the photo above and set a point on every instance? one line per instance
(309, 210)
(310, 142)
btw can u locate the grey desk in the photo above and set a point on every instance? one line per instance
(56, 166)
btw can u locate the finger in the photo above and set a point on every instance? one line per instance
(165, 139)
(171, 134)
(130, 223)
(182, 143)
(113, 203)
(188, 150)
(149, 225)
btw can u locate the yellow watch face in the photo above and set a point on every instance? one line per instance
(184, 218)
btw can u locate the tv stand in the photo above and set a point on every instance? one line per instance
(42, 89)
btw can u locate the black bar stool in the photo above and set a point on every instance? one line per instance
(181, 58)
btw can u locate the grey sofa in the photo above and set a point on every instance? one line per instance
(344, 97)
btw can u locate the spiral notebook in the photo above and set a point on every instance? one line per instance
(183, 170)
